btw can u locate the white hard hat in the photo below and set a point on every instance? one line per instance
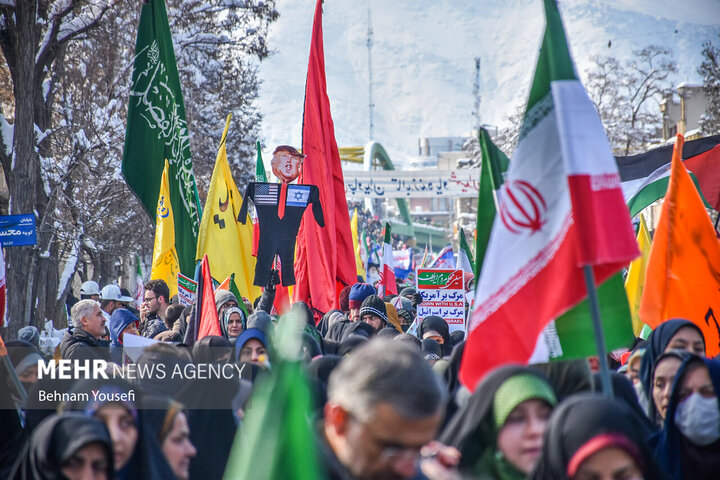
(90, 288)
(112, 292)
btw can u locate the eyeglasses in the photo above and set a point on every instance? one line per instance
(148, 300)
(392, 454)
(389, 453)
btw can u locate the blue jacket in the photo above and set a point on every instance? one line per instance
(119, 320)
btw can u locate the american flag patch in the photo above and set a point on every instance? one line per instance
(266, 194)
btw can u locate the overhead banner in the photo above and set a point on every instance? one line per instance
(443, 293)
(415, 184)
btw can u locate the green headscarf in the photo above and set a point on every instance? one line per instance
(516, 390)
(512, 392)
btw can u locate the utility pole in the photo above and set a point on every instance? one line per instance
(371, 105)
(476, 94)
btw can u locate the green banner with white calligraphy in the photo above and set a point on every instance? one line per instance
(157, 130)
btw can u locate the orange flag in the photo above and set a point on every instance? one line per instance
(683, 272)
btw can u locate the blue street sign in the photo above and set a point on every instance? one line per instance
(16, 230)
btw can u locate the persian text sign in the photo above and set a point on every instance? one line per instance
(16, 230)
(415, 184)
(443, 294)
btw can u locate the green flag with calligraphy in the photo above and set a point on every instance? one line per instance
(157, 130)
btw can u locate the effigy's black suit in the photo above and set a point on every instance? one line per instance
(278, 235)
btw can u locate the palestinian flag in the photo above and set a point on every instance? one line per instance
(645, 176)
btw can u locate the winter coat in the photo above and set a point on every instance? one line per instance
(119, 320)
(82, 346)
(152, 326)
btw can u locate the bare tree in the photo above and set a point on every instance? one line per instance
(33, 35)
(710, 71)
(217, 45)
(62, 129)
(627, 95)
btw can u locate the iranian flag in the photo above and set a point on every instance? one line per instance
(139, 284)
(465, 257)
(561, 208)
(260, 176)
(387, 284)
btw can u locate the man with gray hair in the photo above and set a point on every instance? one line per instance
(384, 404)
(88, 326)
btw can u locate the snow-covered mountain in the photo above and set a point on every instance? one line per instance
(423, 59)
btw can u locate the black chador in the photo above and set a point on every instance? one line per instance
(279, 224)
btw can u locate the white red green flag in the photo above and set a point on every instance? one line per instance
(561, 208)
(387, 284)
(465, 258)
(139, 284)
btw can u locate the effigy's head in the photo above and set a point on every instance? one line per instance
(286, 163)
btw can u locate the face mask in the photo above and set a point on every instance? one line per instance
(698, 418)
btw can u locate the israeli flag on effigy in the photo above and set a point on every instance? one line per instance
(297, 195)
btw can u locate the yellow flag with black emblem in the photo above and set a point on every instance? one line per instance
(165, 264)
(227, 242)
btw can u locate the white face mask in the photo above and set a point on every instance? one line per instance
(698, 418)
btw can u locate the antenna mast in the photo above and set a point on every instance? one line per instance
(476, 94)
(371, 105)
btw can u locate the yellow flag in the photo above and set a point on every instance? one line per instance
(635, 280)
(165, 264)
(356, 245)
(227, 242)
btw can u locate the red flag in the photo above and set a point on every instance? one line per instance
(282, 293)
(324, 255)
(209, 323)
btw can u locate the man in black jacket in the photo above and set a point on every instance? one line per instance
(384, 404)
(89, 325)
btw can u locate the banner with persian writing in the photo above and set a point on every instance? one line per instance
(411, 183)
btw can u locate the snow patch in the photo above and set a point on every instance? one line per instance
(8, 133)
(68, 271)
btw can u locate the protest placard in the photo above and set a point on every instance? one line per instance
(186, 290)
(443, 295)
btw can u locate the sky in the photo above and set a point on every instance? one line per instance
(423, 60)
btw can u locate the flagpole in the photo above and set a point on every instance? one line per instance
(597, 327)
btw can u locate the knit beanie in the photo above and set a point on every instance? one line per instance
(516, 390)
(344, 299)
(359, 292)
(30, 334)
(373, 305)
(392, 316)
(402, 303)
(408, 291)
(222, 297)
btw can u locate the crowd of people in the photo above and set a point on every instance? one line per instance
(387, 403)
